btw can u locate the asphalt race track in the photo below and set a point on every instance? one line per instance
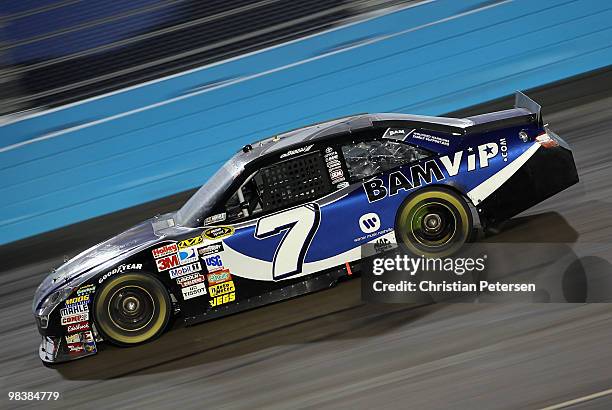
(330, 349)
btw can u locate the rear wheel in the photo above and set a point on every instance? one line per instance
(132, 308)
(434, 222)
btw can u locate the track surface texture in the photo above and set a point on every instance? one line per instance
(330, 349)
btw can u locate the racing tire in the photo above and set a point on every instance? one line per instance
(434, 222)
(131, 309)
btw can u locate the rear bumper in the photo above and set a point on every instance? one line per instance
(548, 172)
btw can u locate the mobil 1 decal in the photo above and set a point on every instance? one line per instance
(424, 173)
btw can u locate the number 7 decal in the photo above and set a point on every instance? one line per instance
(301, 224)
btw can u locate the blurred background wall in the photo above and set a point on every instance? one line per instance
(107, 104)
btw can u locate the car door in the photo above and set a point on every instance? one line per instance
(275, 216)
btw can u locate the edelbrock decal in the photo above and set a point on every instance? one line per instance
(296, 151)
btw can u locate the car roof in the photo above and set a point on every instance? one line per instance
(322, 130)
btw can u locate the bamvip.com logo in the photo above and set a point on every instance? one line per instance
(167, 262)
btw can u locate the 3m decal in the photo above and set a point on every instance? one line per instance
(194, 291)
(210, 249)
(218, 232)
(187, 243)
(167, 262)
(221, 289)
(184, 270)
(120, 269)
(188, 255)
(218, 277)
(300, 225)
(165, 250)
(213, 263)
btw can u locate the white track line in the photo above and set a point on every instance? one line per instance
(579, 400)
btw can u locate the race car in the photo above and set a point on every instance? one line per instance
(290, 215)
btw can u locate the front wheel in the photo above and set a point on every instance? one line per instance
(132, 308)
(434, 222)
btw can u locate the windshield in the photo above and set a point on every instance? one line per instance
(205, 198)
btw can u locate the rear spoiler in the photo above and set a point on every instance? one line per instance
(522, 101)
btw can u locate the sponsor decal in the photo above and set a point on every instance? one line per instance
(296, 151)
(87, 337)
(422, 174)
(218, 232)
(75, 348)
(167, 262)
(342, 185)
(336, 174)
(120, 269)
(213, 263)
(194, 291)
(188, 243)
(86, 290)
(369, 222)
(90, 347)
(215, 218)
(75, 338)
(184, 270)
(431, 138)
(221, 300)
(78, 327)
(78, 299)
(75, 318)
(334, 166)
(74, 309)
(218, 277)
(165, 250)
(188, 255)
(190, 280)
(503, 147)
(221, 289)
(382, 245)
(210, 249)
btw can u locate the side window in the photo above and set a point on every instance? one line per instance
(280, 185)
(367, 158)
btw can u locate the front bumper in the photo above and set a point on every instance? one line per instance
(54, 349)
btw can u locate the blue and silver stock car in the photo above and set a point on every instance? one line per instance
(287, 216)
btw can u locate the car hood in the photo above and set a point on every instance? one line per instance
(135, 238)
